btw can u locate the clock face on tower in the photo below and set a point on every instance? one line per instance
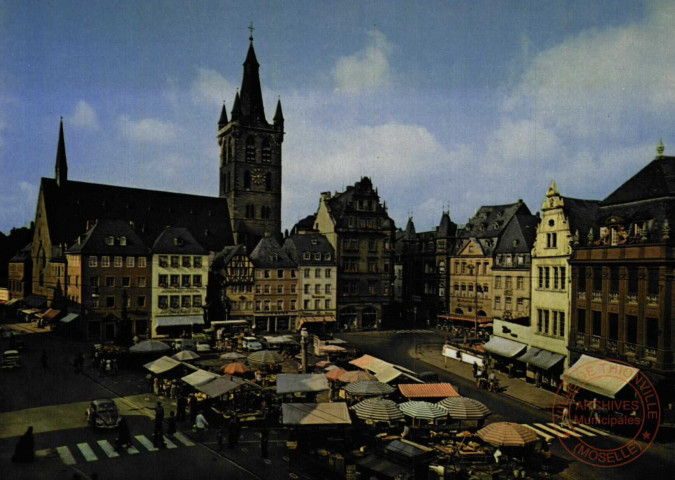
(257, 176)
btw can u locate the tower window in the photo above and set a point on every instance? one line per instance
(250, 149)
(247, 179)
(266, 151)
(250, 211)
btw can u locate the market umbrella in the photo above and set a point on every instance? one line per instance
(332, 348)
(235, 368)
(184, 355)
(369, 387)
(335, 374)
(356, 376)
(232, 356)
(463, 408)
(378, 410)
(422, 410)
(265, 357)
(150, 346)
(507, 434)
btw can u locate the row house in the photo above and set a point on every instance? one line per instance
(275, 287)
(622, 277)
(180, 266)
(20, 274)
(317, 278)
(360, 231)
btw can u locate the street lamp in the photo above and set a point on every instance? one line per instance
(304, 335)
(472, 269)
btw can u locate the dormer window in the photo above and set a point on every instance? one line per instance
(110, 240)
(275, 257)
(326, 256)
(306, 256)
(314, 241)
(317, 256)
(123, 241)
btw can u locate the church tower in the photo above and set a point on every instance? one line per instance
(250, 160)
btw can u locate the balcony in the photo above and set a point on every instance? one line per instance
(595, 342)
(581, 295)
(652, 299)
(650, 352)
(632, 298)
(579, 339)
(612, 346)
(630, 348)
(597, 295)
(613, 297)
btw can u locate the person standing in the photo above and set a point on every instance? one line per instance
(192, 403)
(181, 404)
(200, 425)
(264, 441)
(123, 435)
(171, 423)
(173, 390)
(155, 386)
(25, 448)
(159, 425)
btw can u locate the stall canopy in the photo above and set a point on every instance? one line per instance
(301, 383)
(69, 318)
(427, 390)
(49, 314)
(322, 319)
(599, 376)
(180, 321)
(221, 385)
(199, 377)
(11, 302)
(162, 365)
(541, 358)
(504, 347)
(335, 413)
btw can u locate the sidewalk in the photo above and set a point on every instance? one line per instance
(515, 388)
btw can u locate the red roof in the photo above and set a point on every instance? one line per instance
(428, 390)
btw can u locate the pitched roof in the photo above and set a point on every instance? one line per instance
(252, 110)
(490, 220)
(177, 241)
(656, 180)
(519, 235)
(297, 245)
(269, 254)
(69, 208)
(22, 255)
(96, 240)
(343, 203)
(581, 214)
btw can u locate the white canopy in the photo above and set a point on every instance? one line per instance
(599, 376)
(335, 413)
(304, 382)
(198, 377)
(69, 318)
(162, 365)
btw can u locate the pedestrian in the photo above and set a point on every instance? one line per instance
(264, 440)
(108, 367)
(101, 367)
(173, 390)
(594, 411)
(123, 435)
(171, 423)
(546, 458)
(158, 438)
(510, 369)
(565, 418)
(115, 369)
(192, 404)
(475, 369)
(537, 379)
(148, 379)
(181, 403)
(200, 425)
(25, 448)
(219, 438)
(155, 386)
(43, 359)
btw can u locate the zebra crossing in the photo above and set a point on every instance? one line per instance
(414, 331)
(549, 431)
(101, 449)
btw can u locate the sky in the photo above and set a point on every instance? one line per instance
(445, 105)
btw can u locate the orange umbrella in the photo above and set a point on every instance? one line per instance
(507, 434)
(235, 368)
(336, 373)
(356, 376)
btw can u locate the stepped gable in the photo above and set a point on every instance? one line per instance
(96, 240)
(69, 208)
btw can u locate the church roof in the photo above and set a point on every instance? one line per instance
(656, 180)
(251, 108)
(71, 207)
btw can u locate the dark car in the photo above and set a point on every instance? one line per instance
(103, 413)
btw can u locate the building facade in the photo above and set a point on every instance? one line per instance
(234, 274)
(20, 274)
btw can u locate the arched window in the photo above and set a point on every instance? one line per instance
(247, 179)
(250, 149)
(266, 151)
(268, 182)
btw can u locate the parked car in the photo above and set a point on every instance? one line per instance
(251, 344)
(11, 359)
(202, 346)
(103, 413)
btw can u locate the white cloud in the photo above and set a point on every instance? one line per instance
(367, 70)
(211, 88)
(148, 130)
(84, 116)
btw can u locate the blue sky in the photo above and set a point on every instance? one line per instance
(458, 103)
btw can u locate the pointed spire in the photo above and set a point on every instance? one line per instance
(236, 108)
(660, 149)
(278, 115)
(410, 229)
(223, 117)
(252, 109)
(552, 190)
(61, 168)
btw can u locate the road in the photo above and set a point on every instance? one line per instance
(656, 463)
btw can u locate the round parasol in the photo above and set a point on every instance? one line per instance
(232, 356)
(234, 368)
(149, 346)
(507, 434)
(335, 374)
(422, 410)
(265, 357)
(356, 376)
(369, 387)
(184, 355)
(463, 408)
(378, 410)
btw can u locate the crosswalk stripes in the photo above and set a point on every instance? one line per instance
(594, 430)
(552, 430)
(544, 435)
(104, 449)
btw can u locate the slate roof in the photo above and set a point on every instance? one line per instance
(269, 254)
(304, 225)
(22, 255)
(177, 241)
(446, 228)
(656, 180)
(95, 240)
(519, 235)
(581, 214)
(342, 204)
(296, 245)
(489, 223)
(69, 208)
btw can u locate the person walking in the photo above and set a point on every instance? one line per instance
(181, 404)
(25, 447)
(200, 425)
(123, 435)
(546, 458)
(173, 390)
(108, 367)
(155, 386)
(171, 423)
(158, 438)
(565, 418)
(192, 404)
(264, 441)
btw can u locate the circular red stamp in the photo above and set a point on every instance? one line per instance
(604, 397)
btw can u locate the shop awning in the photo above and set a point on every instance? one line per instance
(222, 385)
(199, 377)
(180, 321)
(504, 347)
(69, 318)
(301, 383)
(322, 319)
(373, 364)
(335, 413)
(30, 311)
(427, 390)
(162, 365)
(541, 358)
(599, 376)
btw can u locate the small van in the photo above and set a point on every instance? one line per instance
(251, 344)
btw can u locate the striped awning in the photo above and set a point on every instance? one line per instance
(378, 410)
(541, 358)
(599, 376)
(427, 390)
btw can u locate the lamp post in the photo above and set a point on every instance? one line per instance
(304, 335)
(473, 269)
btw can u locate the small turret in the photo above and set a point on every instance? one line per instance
(61, 168)
(236, 108)
(223, 118)
(279, 117)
